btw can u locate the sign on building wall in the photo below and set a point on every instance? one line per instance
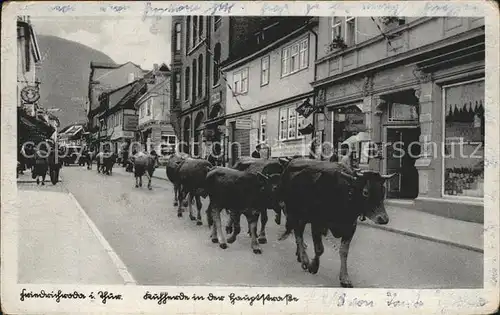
(244, 123)
(216, 98)
(130, 122)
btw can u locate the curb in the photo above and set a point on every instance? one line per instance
(424, 237)
(128, 279)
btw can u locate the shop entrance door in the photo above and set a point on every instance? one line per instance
(402, 149)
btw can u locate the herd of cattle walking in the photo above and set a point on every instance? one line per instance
(327, 195)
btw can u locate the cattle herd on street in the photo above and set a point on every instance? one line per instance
(330, 196)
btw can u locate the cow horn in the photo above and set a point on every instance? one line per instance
(386, 177)
(263, 176)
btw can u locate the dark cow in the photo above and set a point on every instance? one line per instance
(268, 168)
(108, 162)
(144, 164)
(192, 176)
(330, 196)
(238, 192)
(172, 168)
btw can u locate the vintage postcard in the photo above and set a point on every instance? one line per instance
(250, 157)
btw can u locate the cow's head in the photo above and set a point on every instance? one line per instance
(369, 194)
(270, 184)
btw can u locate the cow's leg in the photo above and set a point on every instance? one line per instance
(149, 180)
(182, 195)
(299, 240)
(234, 221)
(263, 221)
(136, 182)
(210, 221)
(176, 195)
(43, 178)
(198, 208)
(230, 225)
(277, 217)
(140, 181)
(253, 217)
(218, 226)
(317, 235)
(345, 282)
(190, 206)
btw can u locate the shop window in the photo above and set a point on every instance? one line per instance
(264, 74)
(262, 127)
(295, 57)
(464, 139)
(347, 121)
(290, 123)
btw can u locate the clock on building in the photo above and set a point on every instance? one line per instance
(30, 94)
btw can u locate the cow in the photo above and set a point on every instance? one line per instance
(55, 164)
(144, 164)
(192, 175)
(330, 196)
(109, 161)
(268, 168)
(239, 192)
(173, 164)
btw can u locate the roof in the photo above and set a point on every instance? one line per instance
(271, 35)
(149, 92)
(105, 65)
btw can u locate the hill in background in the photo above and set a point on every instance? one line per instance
(64, 76)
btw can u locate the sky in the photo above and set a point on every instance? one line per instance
(122, 39)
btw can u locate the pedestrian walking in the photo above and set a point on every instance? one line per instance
(256, 153)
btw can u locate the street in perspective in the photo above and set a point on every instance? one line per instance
(335, 151)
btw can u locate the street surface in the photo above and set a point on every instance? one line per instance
(158, 248)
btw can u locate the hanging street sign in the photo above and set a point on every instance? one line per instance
(30, 94)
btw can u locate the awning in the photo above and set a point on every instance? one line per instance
(211, 122)
(361, 136)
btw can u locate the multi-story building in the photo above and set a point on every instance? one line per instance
(420, 83)
(197, 42)
(153, 108)
(118, 117)
(267, 82)
(105, 78)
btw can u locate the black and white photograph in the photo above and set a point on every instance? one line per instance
(250, 157)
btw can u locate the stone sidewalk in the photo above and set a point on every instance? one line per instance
(58, 243)
(413, 223)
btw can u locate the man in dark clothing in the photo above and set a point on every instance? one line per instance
(256, 153)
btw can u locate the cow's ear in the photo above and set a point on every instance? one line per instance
(265, 177)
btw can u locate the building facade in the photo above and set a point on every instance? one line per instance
(199, 45)
(413, 86)
(105, 78)
(268, 83)
(154, 113)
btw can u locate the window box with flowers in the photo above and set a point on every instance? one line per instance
(337, 43)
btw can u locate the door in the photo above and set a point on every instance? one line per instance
(393, 161)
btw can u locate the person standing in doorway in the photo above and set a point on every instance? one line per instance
(256, 153)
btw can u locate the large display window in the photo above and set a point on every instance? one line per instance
(464, 132)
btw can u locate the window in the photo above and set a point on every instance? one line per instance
(262, 127)
(186, 84)
(177, 86)
(177, 37)
(344, 29)
(200, 75)
(150, 102)
(295, 57)
(290, 123)
(216, 74)
(350, 30)
(336, 27)
(141, 111)
(193, 86)
(195, 31)
(130, 77)
(264, 72)
(240, 79)
(464, 132)
(188, 32)
(217, 22)
(200, 28)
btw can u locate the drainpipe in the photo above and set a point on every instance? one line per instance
(315, 77)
